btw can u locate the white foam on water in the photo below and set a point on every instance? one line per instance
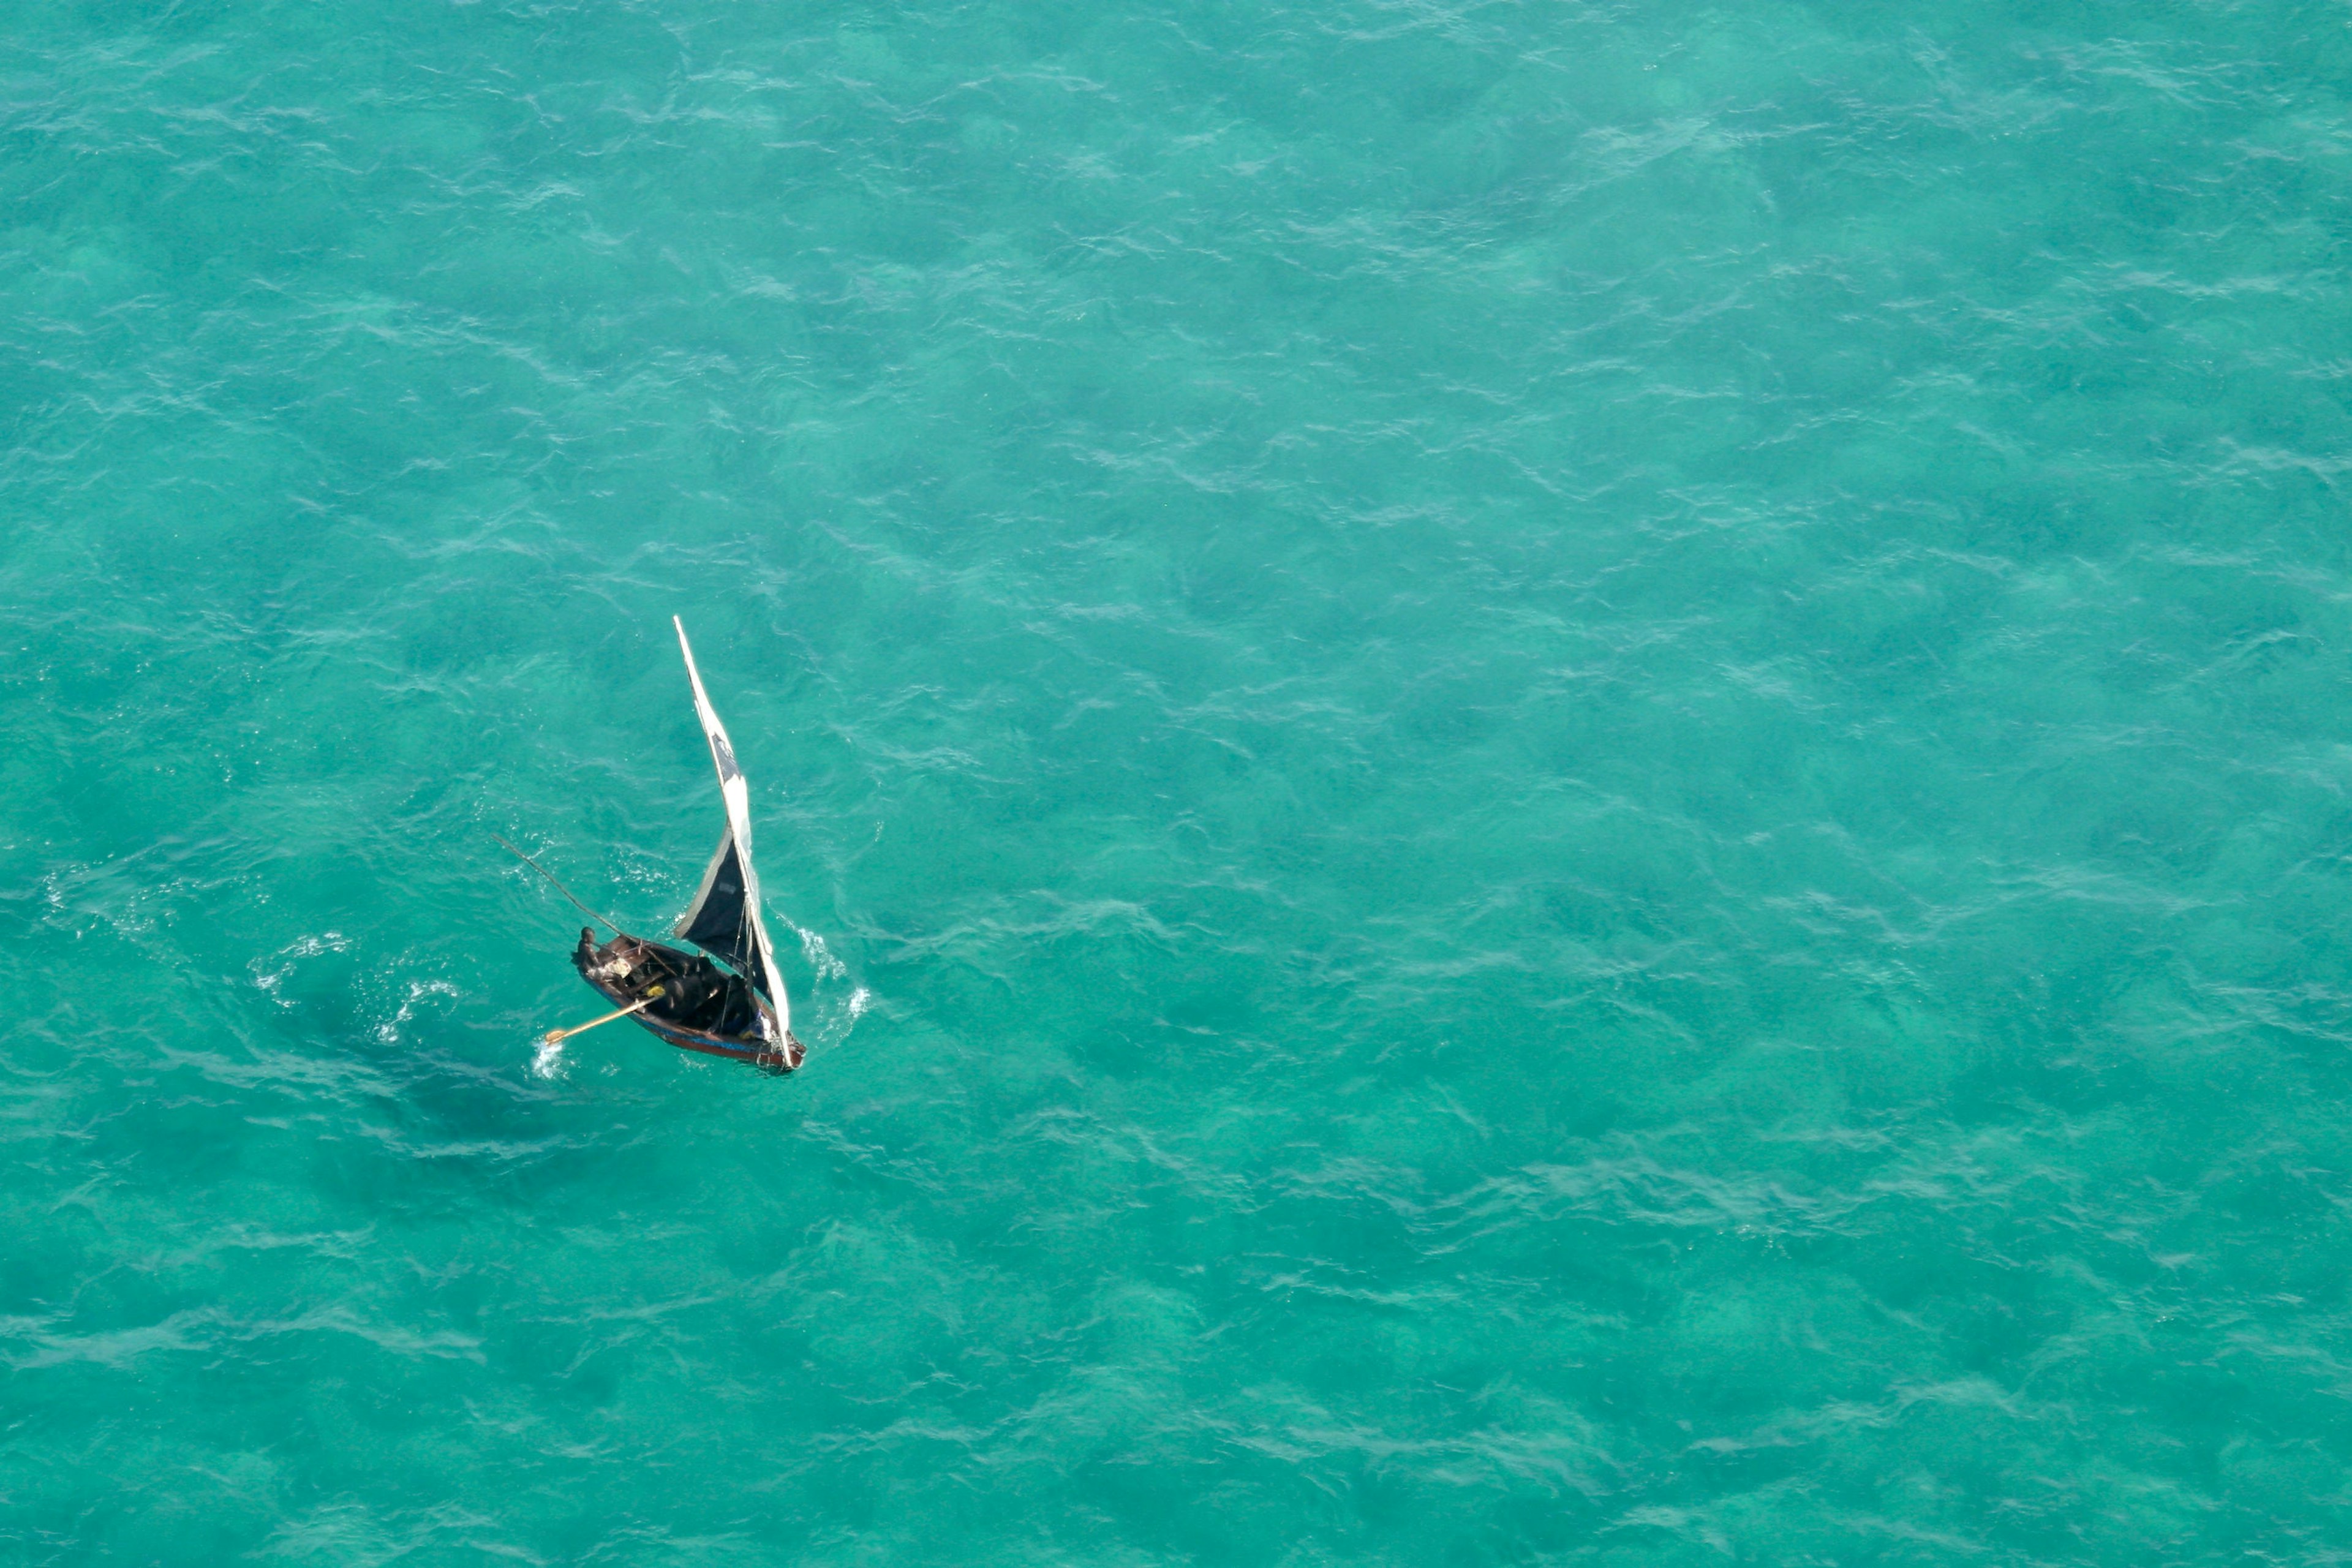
(272, 980)
(820, 957)
(388, 1031)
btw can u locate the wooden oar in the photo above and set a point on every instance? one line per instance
(557, 1036)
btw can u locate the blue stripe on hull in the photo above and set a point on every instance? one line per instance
(734, 1048)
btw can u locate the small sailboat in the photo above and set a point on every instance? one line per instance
(727, 1000)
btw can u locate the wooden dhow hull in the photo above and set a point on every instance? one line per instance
(628, 970)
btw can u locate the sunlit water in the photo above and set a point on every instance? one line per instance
(1560, 785)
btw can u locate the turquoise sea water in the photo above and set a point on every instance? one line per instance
(1562, 784)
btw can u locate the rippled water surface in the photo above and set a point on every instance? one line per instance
(1562, 784)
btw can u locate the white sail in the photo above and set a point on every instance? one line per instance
(724, 919)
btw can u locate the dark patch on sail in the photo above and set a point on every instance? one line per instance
(721, 924)
(725, 756)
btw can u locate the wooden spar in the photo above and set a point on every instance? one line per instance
(557, 1036)
(560, 888)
